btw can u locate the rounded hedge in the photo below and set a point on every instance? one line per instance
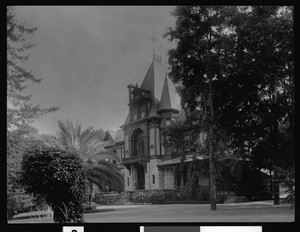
(58, 176)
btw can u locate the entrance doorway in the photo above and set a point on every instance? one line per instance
(140, 171)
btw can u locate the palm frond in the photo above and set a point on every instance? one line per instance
(91, 147)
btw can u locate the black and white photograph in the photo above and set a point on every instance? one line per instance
(150, 114)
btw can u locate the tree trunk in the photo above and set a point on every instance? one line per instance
(90, 194)
(275, 160)
(213, 190)
(276, 189)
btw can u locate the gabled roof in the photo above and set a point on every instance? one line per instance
(167, 100)
(119, 136)
(114, 136)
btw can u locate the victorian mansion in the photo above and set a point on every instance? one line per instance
(145, 163)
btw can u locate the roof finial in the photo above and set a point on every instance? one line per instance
(153, 43)
(160, 48)
(164, 61)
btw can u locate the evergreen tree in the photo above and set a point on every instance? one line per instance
(20, 111)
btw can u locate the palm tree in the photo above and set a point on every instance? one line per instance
(89, 144)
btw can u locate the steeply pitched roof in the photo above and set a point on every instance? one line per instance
(127, 119)
(163, 92)
(154, 78)
(167, 100)
(161, 88)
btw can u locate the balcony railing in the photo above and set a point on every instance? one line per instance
(135, 159)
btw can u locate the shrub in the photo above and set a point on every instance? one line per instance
(203, 193)
(192, 193)
(156, 198)
(18, 202)
(89, 205)
(287, 178)
(58, 176)
(221, 197)
(100, 199)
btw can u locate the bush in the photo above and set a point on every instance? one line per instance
(99, 199)
(89, 205)
(58, 176)
(221, 197)
(154, 198)
(203, 193)
(18, 202)
(287, 178)
(192, 193)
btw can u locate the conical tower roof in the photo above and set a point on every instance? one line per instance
(168, 101)
(154, 78)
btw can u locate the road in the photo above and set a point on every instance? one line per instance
(242, 212)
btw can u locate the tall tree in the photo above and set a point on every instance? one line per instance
(20, 111)
(236, 64)
(255, 98)
(195, 62)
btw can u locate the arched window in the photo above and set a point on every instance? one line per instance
(137, 143)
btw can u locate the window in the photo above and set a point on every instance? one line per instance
(140, 145)
(137, 143)
(127, 181)
(122, 153)
(153, 179)
(168, 122)
(135, 113)
(143, 111)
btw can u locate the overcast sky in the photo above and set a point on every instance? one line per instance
(87, 55)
